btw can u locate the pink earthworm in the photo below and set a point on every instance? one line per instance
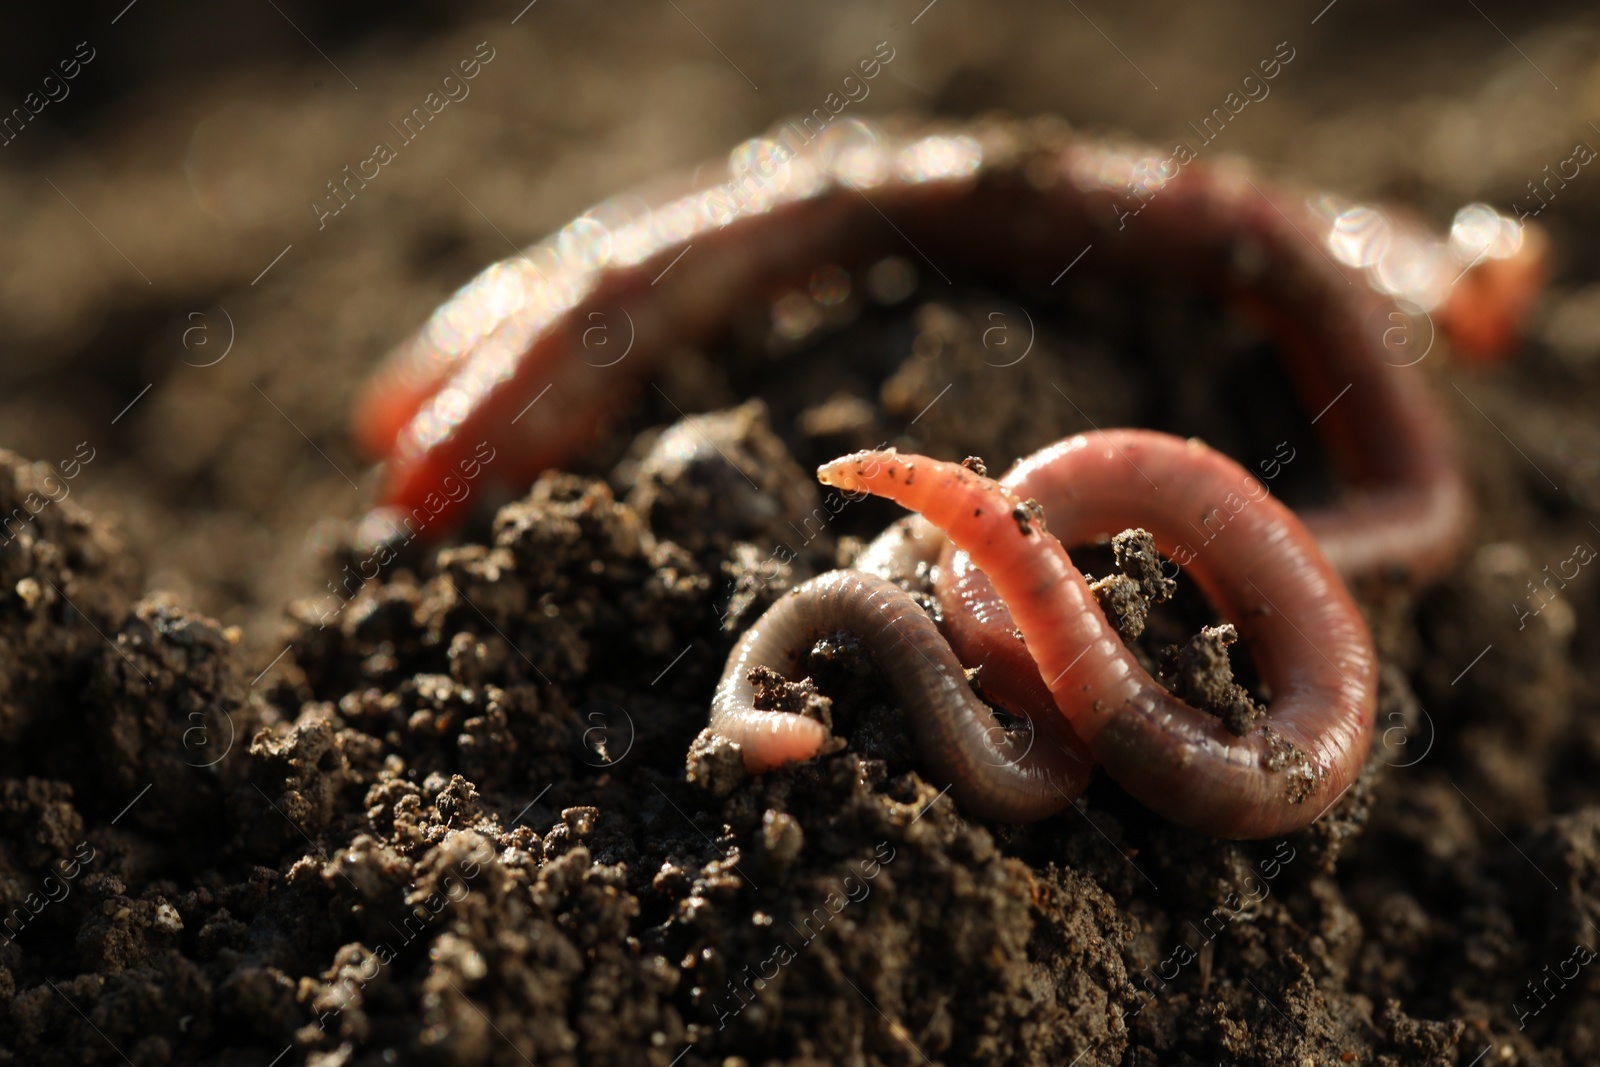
(533, 355)
(1265, 574)
(991, 772)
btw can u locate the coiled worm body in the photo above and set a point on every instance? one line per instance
(993, 773)
(1265, 574)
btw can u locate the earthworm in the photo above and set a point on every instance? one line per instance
(991, 772)
(1264, 573)
(898, 552)
(530, 355)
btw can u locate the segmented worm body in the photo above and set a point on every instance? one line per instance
(531, 357)
(992, 772)
(1265, 574)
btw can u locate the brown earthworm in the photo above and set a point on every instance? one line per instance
(1265, 574)
(991, 772)
(565, 324)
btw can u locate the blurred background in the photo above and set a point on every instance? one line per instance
(172, 295)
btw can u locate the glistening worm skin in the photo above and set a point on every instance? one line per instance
(530, 357)
(897, 552)
(1265, 574)
(991, 772)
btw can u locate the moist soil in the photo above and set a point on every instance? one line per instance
(273, 810)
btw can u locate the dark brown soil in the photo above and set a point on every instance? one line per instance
(462, 818)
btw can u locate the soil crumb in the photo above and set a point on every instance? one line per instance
(1126, 597)
(1201, 673)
